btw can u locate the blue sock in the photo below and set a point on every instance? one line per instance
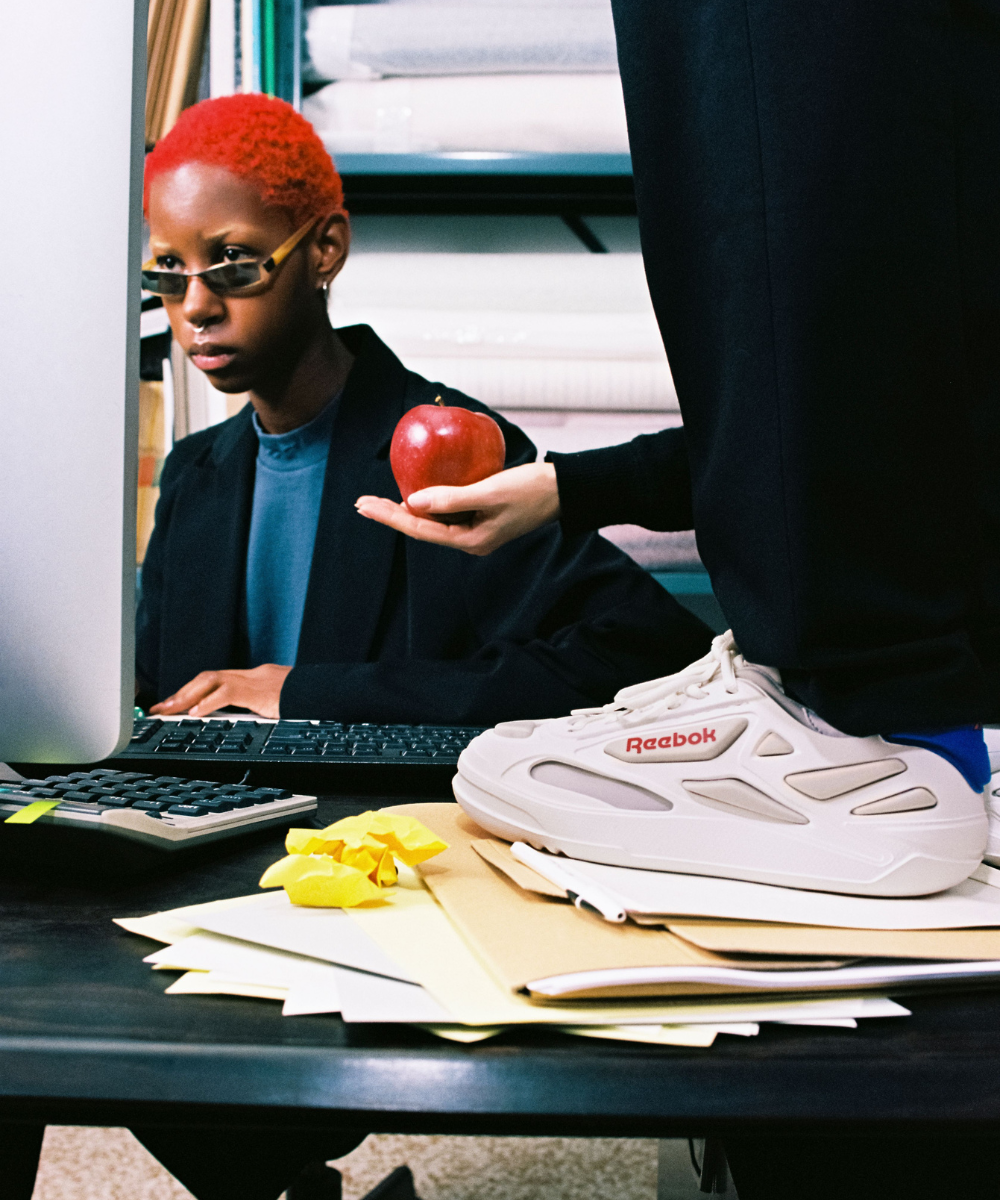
(964, 748)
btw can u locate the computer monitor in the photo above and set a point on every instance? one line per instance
(71, 144)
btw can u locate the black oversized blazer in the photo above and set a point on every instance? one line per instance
(394, 629)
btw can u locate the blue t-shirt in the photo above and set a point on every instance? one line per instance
(287, 491)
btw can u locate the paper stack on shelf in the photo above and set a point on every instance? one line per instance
(348, 41)
(476, 941)
(554, 332)
(174, 44)
(474, 114)
(453, 78)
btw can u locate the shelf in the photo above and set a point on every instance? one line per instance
(470, 190)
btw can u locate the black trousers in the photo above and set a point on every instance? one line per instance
(818, 188)
(934, 1166)
(212, 1163)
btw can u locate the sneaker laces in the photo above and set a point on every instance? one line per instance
(646, 701)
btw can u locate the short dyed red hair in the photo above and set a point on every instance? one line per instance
(260, 139)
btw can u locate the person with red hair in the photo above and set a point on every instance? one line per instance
(258, 139)
(262, 588)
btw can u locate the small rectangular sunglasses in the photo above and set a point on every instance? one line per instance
(225, 278)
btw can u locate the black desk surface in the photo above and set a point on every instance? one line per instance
(88, 1037)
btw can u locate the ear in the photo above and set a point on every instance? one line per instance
(330, 247)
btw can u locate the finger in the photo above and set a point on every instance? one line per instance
(189, 694)
(219, 698)
(480, 537)
(396, 517)
(454, 499)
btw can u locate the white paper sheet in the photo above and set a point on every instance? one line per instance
(375, 999)
(436, 286)
(270, 919)
(218, 983)
(251, 964)
(657, 1035)
(969, 905)
(359, 41)
(838, 979)
(523, 113)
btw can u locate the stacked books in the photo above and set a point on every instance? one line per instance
(175, 44)
(487, 937)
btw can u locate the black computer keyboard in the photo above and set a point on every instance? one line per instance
(162, 813)
(323, 757)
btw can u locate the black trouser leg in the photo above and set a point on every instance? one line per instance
(240, 1163)
(930, 1167)
(20, 1146)
(817, 192)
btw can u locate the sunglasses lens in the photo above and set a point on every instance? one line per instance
(164, 283)
(232, 277)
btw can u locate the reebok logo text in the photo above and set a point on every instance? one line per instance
(687, 743)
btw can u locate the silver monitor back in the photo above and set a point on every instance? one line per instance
(72, 85)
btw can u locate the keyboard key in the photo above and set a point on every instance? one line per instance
(187, 810)
(167, 780)
(153, 806)
(118, 801)
(217, 806)
(272, 793)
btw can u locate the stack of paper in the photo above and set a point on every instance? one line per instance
(479, 942)
(563, 332)
(442, 37)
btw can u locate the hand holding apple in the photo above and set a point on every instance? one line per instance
(436, 445)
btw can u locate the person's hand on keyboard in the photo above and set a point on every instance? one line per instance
(258, 689)
(501, 508)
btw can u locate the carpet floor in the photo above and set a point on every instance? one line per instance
(109, 1164)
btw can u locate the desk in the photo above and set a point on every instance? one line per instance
(88, 1037)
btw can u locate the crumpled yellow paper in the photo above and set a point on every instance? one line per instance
(350, 862)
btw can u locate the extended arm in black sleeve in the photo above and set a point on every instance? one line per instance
(646, 481)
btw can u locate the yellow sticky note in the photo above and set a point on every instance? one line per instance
(409, 840)
(32, 812)
(318, 881)
(305, 841)
(349, 862)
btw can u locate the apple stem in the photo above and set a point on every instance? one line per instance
(438, 400)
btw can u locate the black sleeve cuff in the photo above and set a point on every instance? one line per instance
(643, 482)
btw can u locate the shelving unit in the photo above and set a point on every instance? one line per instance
(424, 209)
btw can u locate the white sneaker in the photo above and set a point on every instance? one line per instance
(715, 771)
(992, 855)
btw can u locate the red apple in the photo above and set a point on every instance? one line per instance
(434, 444)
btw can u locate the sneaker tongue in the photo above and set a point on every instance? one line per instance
(768, 678)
